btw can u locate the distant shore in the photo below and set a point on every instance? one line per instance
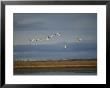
(62, 64)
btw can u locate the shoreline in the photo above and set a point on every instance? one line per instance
(66, 64)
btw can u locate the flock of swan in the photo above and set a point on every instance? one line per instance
(49, 37)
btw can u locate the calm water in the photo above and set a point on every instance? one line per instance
(55, 72)
(55, 51)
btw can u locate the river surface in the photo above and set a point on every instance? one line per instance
(55, 72)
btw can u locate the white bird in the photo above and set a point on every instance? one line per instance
(48, 38)
(32, 40)
(59, 34)
(36, 40)
(52, 36)
(78, 39)
(65, 46)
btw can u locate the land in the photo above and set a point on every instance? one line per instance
(66, 64)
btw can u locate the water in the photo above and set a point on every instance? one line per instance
(55, 72)
(55, 51)
(74, 51)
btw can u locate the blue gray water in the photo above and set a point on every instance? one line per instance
(55, 72)
(56, 51)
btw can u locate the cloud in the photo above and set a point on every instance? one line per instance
(70, 25)
(54, 21)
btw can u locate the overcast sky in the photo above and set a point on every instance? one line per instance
(40, 25)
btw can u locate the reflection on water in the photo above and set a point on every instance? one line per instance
(54, 72)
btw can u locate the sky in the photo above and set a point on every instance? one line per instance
(40, 25)
(70, 25)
